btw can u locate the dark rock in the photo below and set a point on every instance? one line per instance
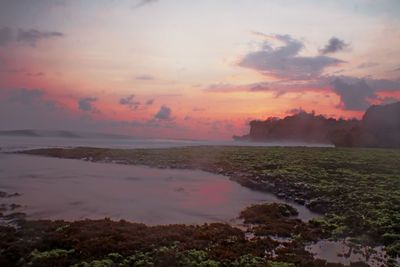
(319, 206)
(301, 201)
(281, 195)
(14, 206)
(14, 195)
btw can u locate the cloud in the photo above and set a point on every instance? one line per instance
(365, 65)
(150, 102)
(37, 74)
(164, 113)
(145, 77)
(284, 63)
(169, 95)
(25, 96)
(295, 110)
(353, 93)
(145, 2)
(6, 36)
(32, 36)
(388, 100)
(12, 70)
(31, 98)
(259, 87)
(334, 45)
(85, 104)
(26, 37)
(228, 88)
(155, 123)
(129, 102)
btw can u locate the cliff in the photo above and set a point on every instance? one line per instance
(379, 127)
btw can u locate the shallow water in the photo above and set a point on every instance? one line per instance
(343, 252)
(53, 188)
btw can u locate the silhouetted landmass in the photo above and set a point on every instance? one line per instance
(379, 127)
(60, 133)
(30, 133)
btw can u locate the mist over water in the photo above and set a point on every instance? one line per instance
(18, 143)
(67, 189)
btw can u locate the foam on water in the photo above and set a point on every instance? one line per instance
(17, 143)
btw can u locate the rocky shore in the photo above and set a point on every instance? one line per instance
(353, 188)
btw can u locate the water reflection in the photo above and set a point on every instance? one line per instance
(72, 189)
(343, 251)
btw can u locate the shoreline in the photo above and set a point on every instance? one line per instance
(219, 160)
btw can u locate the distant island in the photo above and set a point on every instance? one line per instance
(379, 127)
(60, 134)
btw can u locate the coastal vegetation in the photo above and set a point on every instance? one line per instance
(121, 243)
(357, 189)
(379, 127)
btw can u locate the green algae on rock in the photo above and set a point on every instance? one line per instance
(357, 188)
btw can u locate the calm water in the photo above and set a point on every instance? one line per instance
(342, 252)
(53, 188)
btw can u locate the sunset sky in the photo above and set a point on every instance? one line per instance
(192, 69)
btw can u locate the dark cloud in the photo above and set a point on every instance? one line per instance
(150, 102)
(31, 37)
(388, 100)
(353, 93)
(85, 104)
(164, 113)
(26, 37)
(259, 87)
(145, 77)
(358, 93)
(145, 2)
(129, 102)
(334, 45)
(383, 84)
(25, 96)
(284, 62)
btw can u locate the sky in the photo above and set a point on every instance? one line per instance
(192, 69)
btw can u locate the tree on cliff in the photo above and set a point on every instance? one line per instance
(380, 127)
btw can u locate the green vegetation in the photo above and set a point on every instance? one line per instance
(280, 264)
(98, 243)
(109, 243)
(357, 188)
